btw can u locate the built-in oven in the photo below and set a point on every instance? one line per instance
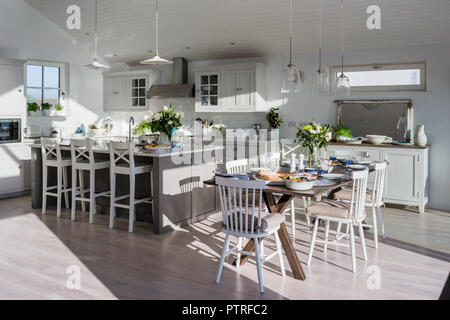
(10, 130)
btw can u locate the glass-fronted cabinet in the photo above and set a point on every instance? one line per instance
(138, 92)
(207, 85)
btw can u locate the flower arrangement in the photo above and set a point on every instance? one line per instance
(218, 126)
(164, 121)
(313, 136)
(273, 118)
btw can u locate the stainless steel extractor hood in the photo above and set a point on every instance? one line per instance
(179, 87)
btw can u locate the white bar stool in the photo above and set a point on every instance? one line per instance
(122, 162)
(83, 160)
(51, 157)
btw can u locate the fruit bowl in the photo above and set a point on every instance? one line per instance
(298, 183)
(375, 139)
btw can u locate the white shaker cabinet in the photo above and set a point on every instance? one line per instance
(15, 169)
(231, 88)
(406, 174)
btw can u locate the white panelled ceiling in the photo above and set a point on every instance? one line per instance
(205, 29)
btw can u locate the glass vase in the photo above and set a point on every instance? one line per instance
(313, 158)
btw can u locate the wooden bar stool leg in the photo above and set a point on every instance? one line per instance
(44, 188)
(132, 195)
(65, 186)
(91, 196)
(59, 191)
(74, 193)
(112, 209)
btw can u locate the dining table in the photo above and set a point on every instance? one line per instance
(278, 204)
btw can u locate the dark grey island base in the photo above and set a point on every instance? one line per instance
(180, 197)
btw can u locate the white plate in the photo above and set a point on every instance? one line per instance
(323, 183)
(362, 161)
(332, 176)
(254, 170)
(356, 167)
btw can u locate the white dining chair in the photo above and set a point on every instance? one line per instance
(83, 159)
(236, 166)
(244, 218)
(51, 157)
(374, 200)
(350, 213)
(122, 162)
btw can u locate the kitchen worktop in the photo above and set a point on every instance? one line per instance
(370, 145)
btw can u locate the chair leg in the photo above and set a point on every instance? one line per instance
(352, 245)
(258, 265)
(327, 230)
(313, 241)
(112, 208)
(74, 193)
(59, 191)
(262, 247)
(222, 257)
(91, 196)
(305, 205)
(44, 188)
(81, 177)
(363, 240)
(280, 253)
(375, 227)
(66, 186)
(380, 215)
(132, 194)
(238, 258)
(338, 230)
(293, 219)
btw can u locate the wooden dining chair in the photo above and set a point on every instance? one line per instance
(350, 213)
(243, 218)
(374, 200)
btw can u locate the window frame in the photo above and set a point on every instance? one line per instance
(383, 66)
(62, 90)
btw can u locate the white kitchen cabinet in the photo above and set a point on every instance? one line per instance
(406, 174)
(126, 91)
(14, 171)
(231, 88)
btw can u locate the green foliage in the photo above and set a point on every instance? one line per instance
(313, 135)
(273, 118)
(46, 106)
(59, 107)
(163, 121)
(32, 107)
(343, 131)
(93, 127)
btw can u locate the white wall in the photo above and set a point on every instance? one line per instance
(26, 34)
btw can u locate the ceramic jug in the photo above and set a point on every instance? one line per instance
(420, 138)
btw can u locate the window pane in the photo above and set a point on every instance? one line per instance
(135, 102)
(135, 83)
(51, 96)
(135, 93)
(213, 90)
(205, 90)
(205, 101)
(142, 102)
(384, 78)
(142, 92)
(51, 77)
(214, 101)
(34, 76)
(213, 79)
(142, 83)
(204, 80)
(34, 95)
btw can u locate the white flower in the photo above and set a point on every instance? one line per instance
(181, 115)
(165, 108)
(177, 115)
(147, 117)
(169, 123)
(157, 116)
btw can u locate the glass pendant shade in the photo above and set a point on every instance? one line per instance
(320, 83)
(96, 65)
(342, 89)
(156, 60)
(292, 79)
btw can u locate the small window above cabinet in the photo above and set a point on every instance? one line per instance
(231, 88)
(126, 91)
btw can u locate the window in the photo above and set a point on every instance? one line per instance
(384, 77)
(138, 92)
(44, 82)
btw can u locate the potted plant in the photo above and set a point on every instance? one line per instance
(313, 136)
(32, 108)
(59, 109)
(94, 130)
(273, 118)
(164, 122)
(46, 109)
(342, 132)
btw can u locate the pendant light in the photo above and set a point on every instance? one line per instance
(96, 64)
(342, 89)
(157, 60)
(292, 79)
(320, 84)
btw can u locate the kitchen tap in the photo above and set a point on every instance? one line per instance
(130, 128)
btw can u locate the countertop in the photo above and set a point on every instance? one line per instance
(370, 145)
(152, 154)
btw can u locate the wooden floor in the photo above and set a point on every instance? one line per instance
(36, 251)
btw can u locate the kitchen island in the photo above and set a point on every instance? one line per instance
(179, 196)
